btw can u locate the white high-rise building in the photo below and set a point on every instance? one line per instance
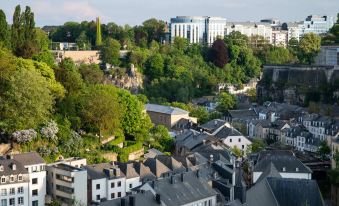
(198, 29)
(249, 29)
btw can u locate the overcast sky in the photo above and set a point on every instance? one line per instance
(56, 12)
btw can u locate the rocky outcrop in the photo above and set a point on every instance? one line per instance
(292, 83)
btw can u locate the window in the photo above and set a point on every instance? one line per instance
(11, 179)
(231, 140)
(19, 177)
(98, 186)
(119, 184)
(119, 194)
(12, 201)
(3, 192)
(98, 197)
(20, 200)
(112, 195)
(20, 190)
(239, 140)
(243, 146)
(35, 203)
(35, 192)
(12, 191)
(112, 184)
(35, 181)
(3, 179)
(4, 202)
(130, 185)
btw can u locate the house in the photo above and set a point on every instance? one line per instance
(259, 128)
(35, 166)
(105, 182)
(241, 118)
(15, 183)
(287, 165)
(132, 177)
(167, 115)
(276, 129)
(140, 199)
(233, 138)
(182, 189)
(213, 126)
(67, 183)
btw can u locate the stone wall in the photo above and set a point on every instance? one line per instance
(290, 83)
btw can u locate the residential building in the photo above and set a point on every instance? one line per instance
(167, 115)
(280, 38)
(198, 29)
(286, 164)
(293, 30)
(35, 166)
(328, 55)
(132, 177)
(67, 183)
(251, 29)
(233, 138)
(105, 182)
(14, 183)
(316, 24)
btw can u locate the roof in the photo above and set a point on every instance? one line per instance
(165, 109)
(151, 153)
(226, 132)
(171, 163)
(8, 167)
(156, 167)
(29, 158)
(143, 171)
(191, 139)
(96, 171)
(127, 169)
(248, 23)
(270, 171)
(183, 189)
(213, 125)
(284, 192)
(243, 113)
(284, 161)
(141, 199)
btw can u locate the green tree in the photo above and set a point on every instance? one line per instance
(161, 139)
(324, 150)
(225, 102)
(23, 92)
(278, 55)
(98, 41)
(309, 47)
(100, 110)
(83, 42)
(68, 75)
(201, 113)
(110, 52)
(155, 29)
(91, 73)
(4, 30)
(257, 145)
(154, 66)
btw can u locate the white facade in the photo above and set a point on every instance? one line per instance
(67, 183)
(132, 183)
(316, 24)
(198, 29)
(251, 29)
(239, 142)
(108, 189)
(14, 194)
(280, 38)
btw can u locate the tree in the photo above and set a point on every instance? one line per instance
(161, 138)
(155, 29)
(324, 150)
(91, 73)
(23, 33)
(134, 121)
(218, 53)
(309, 47)
(258, 145)
(98, 41)
(225, 102)
(155, 66)
(110, 52)
(201, 113)
(278, 55)
(83, 42)
(4, 30)
(68, 75)
(23, 92)
(101, 111)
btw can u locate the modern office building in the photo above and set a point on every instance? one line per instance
(328, 55)
(198, 29)
(316, 24)
(251, 29)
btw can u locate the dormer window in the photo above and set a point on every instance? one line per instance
(297, 169)
(13, 166)
(20, 177)
(1, 168)
(3, 179)
(11, 178)
(284, 169)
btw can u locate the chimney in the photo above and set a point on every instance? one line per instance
(215, 122)
(198, 173)
(153, 184)
(182, 177)
(123, 202)
(131, 200)
(158, 199)
(211, 158)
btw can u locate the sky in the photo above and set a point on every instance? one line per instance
(133, 12)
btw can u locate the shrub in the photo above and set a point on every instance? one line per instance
(24, 136)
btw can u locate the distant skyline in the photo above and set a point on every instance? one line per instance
(133, 12)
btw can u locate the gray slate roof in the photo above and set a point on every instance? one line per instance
(156, 167)
(165, 109)
(143, 171)
(280, 160)
(7, 165)
(171, 163)
(29, 158)
(226, 132)
(213, 125)
(141, 199)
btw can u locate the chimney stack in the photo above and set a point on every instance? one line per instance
(158, 199)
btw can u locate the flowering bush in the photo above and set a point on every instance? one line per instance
(50, 131)
(24, 136)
